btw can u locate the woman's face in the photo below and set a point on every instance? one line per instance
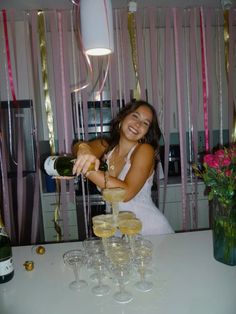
(136, 124)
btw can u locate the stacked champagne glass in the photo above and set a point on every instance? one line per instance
(125, 251)
(118, 252)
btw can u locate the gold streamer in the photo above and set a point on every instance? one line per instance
(48, 106)
(133, 43)
(226, 47)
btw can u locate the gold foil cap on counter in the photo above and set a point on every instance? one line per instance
(29, 265)
(40, 250)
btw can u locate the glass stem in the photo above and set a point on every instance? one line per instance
(76, 271)
(115, 211)
(142, 273)
(104, 242)
(131, 242)
(121, 281)
(99, 276)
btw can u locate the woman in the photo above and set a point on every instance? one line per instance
(131, 156)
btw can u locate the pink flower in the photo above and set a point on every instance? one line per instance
(226, 161)
(220, 153)
(208, 158)
(228, 173)
(211, 161)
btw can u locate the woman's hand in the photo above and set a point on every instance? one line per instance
(88, 154)
(85, 163)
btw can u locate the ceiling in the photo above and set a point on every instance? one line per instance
(67, 4)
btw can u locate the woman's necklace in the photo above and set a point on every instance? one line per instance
(116, 162)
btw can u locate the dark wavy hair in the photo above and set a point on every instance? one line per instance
(153, 135)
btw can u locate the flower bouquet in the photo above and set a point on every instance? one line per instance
(219, 175)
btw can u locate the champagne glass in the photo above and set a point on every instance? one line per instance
(104, 230)
(126, 214)
(114, 196)
(92, 246)
(120, 266)
(99, 261)
(143, 250)
(75, 259)
(130, 228)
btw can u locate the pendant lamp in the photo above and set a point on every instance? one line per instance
(97, 27)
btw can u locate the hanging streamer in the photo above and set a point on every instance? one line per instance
(133, 43)
(178, 42)
(219, 78)
(20, 150)
(204, 78)
(227, 69)
(48, 108)
(10, 75)
(226, 41)
(83, 84)
(48, 105)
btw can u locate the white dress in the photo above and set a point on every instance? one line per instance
(153, 221)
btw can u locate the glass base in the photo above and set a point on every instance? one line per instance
(144, 286)
(123, 297)
(78, 285)
(101, 290)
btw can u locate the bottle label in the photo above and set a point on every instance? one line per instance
(49, 166)
(6, 267)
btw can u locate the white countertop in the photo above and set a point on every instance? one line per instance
(187, 280)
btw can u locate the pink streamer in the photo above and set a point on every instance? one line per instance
(167, 98)
(193, 108)
(181, 112)
(153, 51)
(63, 90)
(204, 78)
(231, 76)
(8, 55)
(113, 84)
(125, 43)
(14, 45)
(59, 80)
(209, 75)
(20, 151)
(35, 57)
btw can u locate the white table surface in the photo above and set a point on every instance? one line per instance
(187, 280)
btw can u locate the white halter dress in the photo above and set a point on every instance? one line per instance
(153, 221)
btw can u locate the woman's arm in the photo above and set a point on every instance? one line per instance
(142, 164)
(87, 153)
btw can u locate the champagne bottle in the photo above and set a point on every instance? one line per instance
(63, 165)
(6, 264)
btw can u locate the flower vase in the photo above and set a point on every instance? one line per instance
(224, 233)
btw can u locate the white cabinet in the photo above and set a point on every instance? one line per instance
(49, 204)
(173, 206)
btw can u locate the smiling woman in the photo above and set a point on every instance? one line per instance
(131, 154)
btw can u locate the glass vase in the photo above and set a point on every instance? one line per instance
(224, 232)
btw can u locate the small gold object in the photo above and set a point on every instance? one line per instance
(29, 265)
(40, 250)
